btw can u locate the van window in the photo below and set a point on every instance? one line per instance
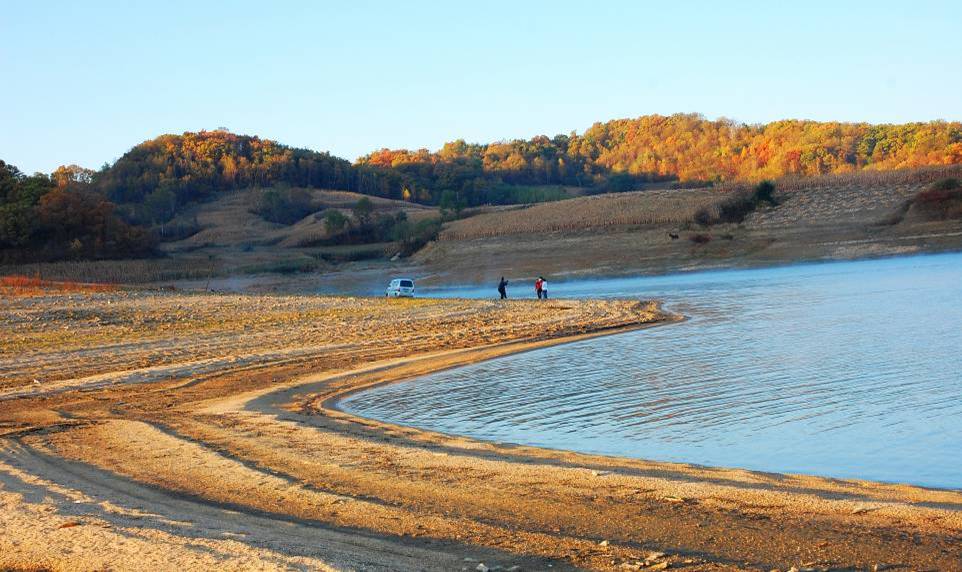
(407, 284)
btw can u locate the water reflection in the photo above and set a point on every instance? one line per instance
(843, 369)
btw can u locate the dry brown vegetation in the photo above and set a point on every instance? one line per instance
(229, 222)
(869, 179)
(586, 213)
(32, 286)
(231, 240)
(859, 190)
(837, 217)
(137, 271)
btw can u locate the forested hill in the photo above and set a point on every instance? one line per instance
(612, 156)
(619, 154)
(182, 168)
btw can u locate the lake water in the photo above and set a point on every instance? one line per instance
(850, 369)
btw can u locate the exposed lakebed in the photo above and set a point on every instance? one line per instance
(848, 369)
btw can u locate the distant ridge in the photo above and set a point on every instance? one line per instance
(617, 155)
(612, 156)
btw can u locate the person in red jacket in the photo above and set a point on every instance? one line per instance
(537, 287)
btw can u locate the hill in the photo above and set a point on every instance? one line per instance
(619, 155)
(156, 178)
(152, 193)
(853, 215)
(626, 154)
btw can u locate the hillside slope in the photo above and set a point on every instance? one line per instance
(822, 218)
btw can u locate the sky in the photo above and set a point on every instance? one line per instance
(86, 81)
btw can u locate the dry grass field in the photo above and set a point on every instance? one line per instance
(868, 179)
(229, 222)
(597, 213)
(137, 271)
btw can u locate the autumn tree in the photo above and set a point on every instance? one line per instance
(51, 218)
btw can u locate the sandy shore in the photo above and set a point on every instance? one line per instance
(155, 430)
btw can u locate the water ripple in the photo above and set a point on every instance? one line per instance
(845, 369)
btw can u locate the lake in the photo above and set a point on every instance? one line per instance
(843, 369)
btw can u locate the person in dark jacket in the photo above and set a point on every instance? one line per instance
(503, 288)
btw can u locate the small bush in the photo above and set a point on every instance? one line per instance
(350, 255)
(700, 238)
(281, 267)
(413, 237)
(764, 192)
(736, 208)
(947, 184)
(706, 216)
(941, 201)
(896, 216)
(335, 221)
(283, 205)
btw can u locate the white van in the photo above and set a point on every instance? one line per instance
(400, 287)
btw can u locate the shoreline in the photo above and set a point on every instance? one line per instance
(489, 353)
(258, 466)
(732, 266)
(332, 403)
(321, 403)
(338, 281)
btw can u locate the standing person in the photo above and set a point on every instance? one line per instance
(544, 288)
(503, 288)
(537, 287)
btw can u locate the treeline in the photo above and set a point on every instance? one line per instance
(154, 178)
(152, 181)
(620, 155)
(61, 217)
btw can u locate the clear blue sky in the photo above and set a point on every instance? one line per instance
(85, 81)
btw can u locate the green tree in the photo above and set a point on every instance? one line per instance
(19, 197)
(334, 221)
(362, 211)
(160, 205)
(451, 204)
